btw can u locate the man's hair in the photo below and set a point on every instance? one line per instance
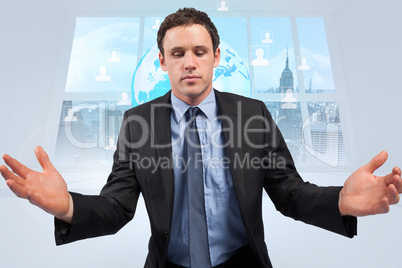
(185, 17)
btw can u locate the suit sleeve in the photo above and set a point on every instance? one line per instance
(109, 211)
(296, 198)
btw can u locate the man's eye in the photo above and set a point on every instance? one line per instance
(200, 53)
(177, 54)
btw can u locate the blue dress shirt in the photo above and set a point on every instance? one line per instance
(226, 231)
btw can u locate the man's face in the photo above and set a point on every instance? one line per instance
(189, 61)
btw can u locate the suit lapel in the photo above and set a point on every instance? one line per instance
(230, 111)
(162, 141)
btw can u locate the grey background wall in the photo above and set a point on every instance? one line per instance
(34, 39)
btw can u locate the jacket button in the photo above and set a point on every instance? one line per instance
(166, 234)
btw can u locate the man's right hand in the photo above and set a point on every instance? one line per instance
(47, 190)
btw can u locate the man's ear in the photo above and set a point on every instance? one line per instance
(162, 61)
(217, 57)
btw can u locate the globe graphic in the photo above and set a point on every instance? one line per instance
(150, 81)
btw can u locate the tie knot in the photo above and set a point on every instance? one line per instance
(192, 113)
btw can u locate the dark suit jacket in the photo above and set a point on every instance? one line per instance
(145, 132)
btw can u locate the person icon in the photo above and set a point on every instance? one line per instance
(222, 6)
(259, 52)
(102, 77)
(288, 101)
(267, 38)
(156, 25)
(111, 145)
(115, 57)
(70, 117)
(124, 99)
(303, 66)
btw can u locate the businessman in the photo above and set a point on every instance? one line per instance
(201, 160)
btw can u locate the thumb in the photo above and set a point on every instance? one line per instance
(376, 162)
(43, 158)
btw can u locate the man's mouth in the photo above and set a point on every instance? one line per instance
(190, 78)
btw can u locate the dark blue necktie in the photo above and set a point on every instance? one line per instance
(197, 224)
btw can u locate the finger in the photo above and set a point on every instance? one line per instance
(43, 158)
(390, 178)
(376, 162)
(393, 195)
(384, 206)
(17, 189)
(397, 182)
(8, 175)
(381, 207)
(396, 170)
(395, 179)
(16, 166)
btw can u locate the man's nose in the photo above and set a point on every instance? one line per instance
(189, 63)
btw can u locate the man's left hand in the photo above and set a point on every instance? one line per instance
(366, 194)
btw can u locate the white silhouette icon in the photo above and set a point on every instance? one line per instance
(157, 24)
(124, 99)
(259, 52)
(267, 38)
(223, 6)
(288, 101)
(70, 116)
(303, 65)
(111, 145)
(115, 57)
(102, 74)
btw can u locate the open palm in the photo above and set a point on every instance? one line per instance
(46, 189)
(367, 194)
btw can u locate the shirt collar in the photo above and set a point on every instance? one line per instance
(207, 106)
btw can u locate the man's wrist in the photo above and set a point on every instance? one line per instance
(341, 204)
(68, 217)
